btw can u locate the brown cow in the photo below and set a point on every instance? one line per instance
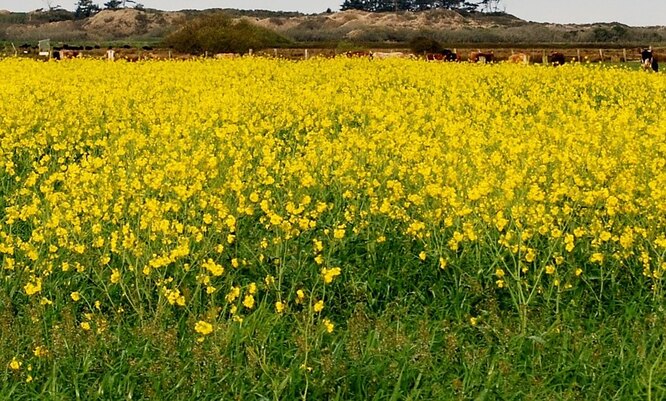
(65, 54)
(481, 57)
(519, 58)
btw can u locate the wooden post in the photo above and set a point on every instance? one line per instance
(578, 54)
(169, 54)
(624, 55)
(306, 54)
(275, 53)
(15, 51)
(544, 59)
(601, 54)
(206, 54)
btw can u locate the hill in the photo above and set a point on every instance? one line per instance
(327, 28)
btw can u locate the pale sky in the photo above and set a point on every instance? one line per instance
(630, 12)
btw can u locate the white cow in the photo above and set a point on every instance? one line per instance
(388, 55)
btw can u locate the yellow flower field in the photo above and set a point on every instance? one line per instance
(219, 188)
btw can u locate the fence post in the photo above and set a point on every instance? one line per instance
(306, 54)
(601, 54)
(544, 59)
(275, 53)
(578, 54)
(624, 55)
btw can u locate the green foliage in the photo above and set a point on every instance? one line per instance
(406, 5)
(85, 9)
(422, 44)
(220, 34)
(113, 4)
(612, 34)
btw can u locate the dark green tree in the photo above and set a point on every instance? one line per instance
(113, 4)
(407, 5)
(353, 5)
(85, 9)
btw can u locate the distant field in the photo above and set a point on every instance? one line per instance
(331, 229)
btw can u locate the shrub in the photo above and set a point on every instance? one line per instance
(422, 44)
(220, 34)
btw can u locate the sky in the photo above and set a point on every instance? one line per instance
(630, 12)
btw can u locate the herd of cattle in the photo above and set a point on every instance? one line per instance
(126, 53)
(554, 58)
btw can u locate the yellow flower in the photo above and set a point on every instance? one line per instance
(15, 364)
(40, 351)
(203, 328)
(550, 269)
(422, 255)
(319, 306)
(499, 273)
(252, 288)
(76, 296)
(339, 233)
(115, 276)
(248, 301)
(279, 307)
(33, 287)
(233, 294)
(530, 256)
(330, 274)
(214, 268)
(328, 325)
(442, 263)
(300, 296)
(85, 326)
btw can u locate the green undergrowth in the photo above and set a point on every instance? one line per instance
(464, 341)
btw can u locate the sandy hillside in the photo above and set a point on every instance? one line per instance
(129, 22)
(354, 20)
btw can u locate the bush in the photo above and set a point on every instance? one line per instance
(422, 44)
(220, 34)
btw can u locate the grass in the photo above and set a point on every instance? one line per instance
(392, 354)
(417, 341)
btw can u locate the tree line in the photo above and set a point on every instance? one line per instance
(87, 8)
(420, 5)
